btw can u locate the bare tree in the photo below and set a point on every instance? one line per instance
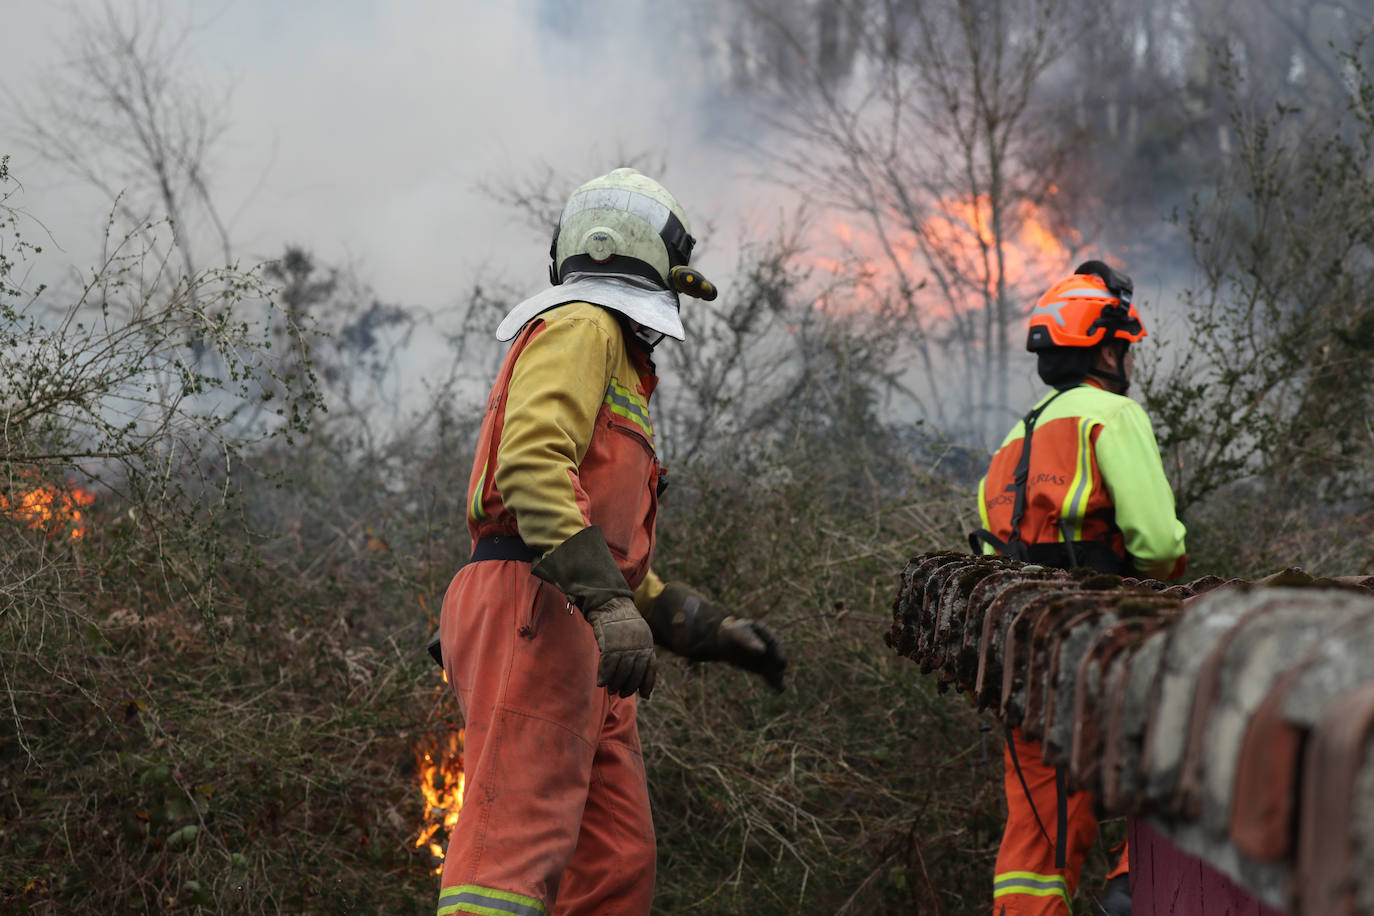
(123, 115)
(1274, 383)
(929, 146)
(1151, 105)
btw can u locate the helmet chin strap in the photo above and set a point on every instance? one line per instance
(648, 336)
(1117, 382)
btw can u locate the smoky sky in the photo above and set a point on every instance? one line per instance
(361, 130)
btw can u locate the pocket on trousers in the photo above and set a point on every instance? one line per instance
(535, 606)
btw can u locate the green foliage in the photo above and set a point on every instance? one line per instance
(141, 375)
(163, 683)
(174, 762)
(226, 719)
(1263, 403)
(859, 790)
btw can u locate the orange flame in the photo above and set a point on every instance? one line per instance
(440, 762)
(962, 228)
(956, 235)
(50, 509)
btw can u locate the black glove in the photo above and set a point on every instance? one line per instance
(582, 566)
(700, 630)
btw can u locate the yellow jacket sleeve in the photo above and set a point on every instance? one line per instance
(648, 593)
(1128, 456)
(556, 389)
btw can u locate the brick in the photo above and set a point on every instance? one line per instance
(984, 593)
(909, 604)
(996, 622)
(1128, 678)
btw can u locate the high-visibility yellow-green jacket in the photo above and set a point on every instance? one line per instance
(1095, 467)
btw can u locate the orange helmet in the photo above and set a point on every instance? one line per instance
(1085, 309)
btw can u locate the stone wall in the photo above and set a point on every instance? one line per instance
(1235, 718)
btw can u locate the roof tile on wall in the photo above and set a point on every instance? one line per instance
(1238, 717)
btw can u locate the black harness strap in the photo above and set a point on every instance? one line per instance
(1014, 546)
(1022, 473)
(1068, 543)
(980, 536)
(1017, 549)
(1016, 763)
(1060, 841)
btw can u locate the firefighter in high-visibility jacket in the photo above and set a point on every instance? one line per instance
(1078, 482)
(558, 600)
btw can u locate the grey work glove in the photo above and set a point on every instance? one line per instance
(582, 566)
(627, 648)
(700, 630)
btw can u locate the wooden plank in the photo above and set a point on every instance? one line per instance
(1165, 881)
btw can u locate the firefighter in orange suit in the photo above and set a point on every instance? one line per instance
(548, 632)
(1078, 482)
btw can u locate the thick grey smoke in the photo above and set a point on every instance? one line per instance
(362, 130)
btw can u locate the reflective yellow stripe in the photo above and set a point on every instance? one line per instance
(475, 506)
(983, 511)
(634, 418)
(625, 403)
(1031, 885)
(1076, 498)
(487, 901)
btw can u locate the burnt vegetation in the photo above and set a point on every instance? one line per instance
(213, 680)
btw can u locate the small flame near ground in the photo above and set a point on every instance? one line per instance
(440, 762)
(50, 509)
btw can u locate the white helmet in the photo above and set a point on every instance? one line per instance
(621, 243)
(621, 223)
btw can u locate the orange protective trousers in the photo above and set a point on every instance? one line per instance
(1027, 882)
(555, 815)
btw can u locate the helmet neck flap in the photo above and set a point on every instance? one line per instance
(622, 242)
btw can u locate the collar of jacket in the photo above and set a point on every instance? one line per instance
(633, 297)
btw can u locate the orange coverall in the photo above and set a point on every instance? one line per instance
(555, 816)
(1095, 471)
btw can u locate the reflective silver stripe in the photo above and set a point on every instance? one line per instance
(1031, 884)
(653, 212)
(1056, 305)
(1052, 884)
(1087, 292)
(631, 407)
(471, 898)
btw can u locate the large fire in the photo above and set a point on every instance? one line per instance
(952, 250)
(51, 509)
(962, 229)
(440, 762)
